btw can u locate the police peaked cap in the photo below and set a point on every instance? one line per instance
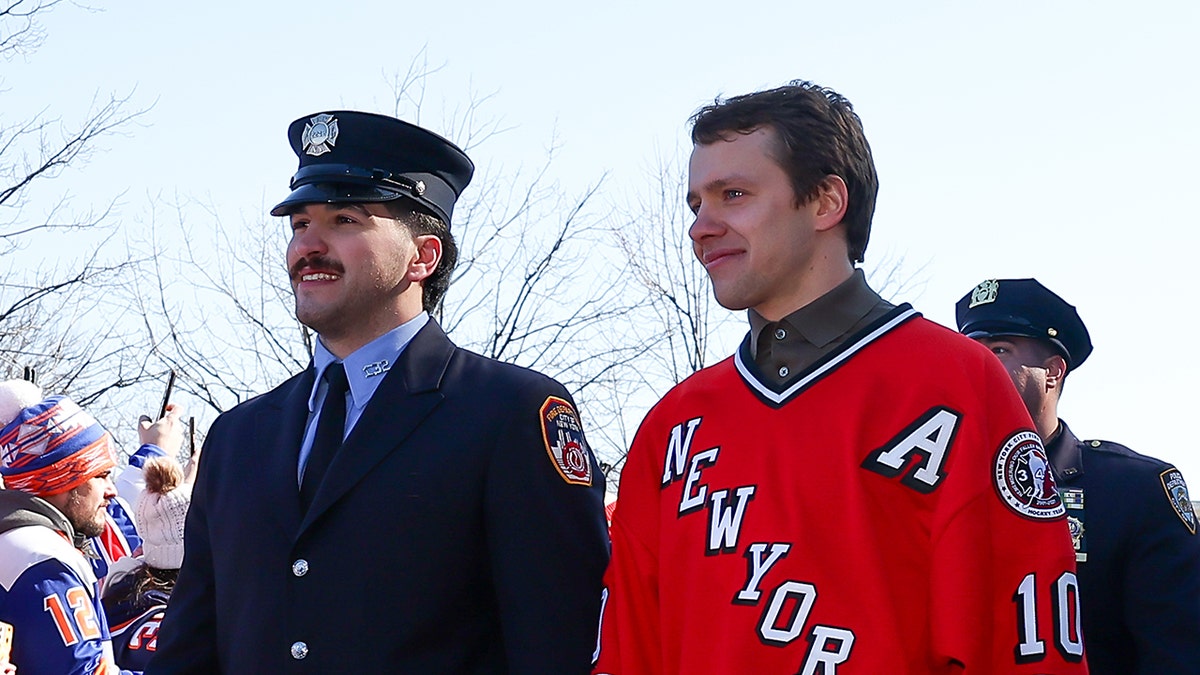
(356, 157)
(1024, 308)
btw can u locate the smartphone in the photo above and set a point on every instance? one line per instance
(162, 410)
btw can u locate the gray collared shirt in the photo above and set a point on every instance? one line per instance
(365, 369)
(783, 349)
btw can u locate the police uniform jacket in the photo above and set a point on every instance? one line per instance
(1137, 555)
(443, 539)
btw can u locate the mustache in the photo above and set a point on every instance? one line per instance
(316, 264)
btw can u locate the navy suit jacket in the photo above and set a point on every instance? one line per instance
(443, 539)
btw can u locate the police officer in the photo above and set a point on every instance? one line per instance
(1133, 525)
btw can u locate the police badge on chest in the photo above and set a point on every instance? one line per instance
(1073, 500)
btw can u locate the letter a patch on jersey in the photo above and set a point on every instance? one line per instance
(563, 433)
(919, 451)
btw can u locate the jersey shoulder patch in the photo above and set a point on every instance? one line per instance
(562, 432)
(1177, 494)
(1023, 479)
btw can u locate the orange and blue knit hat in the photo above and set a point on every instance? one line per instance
(52, 447)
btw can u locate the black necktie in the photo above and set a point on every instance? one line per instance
(328, 437)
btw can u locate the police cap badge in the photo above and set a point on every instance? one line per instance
(1024, 308)
(349, 157)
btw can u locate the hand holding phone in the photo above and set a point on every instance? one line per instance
(167, 430)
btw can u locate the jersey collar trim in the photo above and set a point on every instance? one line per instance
(749, 371)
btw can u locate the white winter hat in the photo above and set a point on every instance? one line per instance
(15, 396)
(160, 513)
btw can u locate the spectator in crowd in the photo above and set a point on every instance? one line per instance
(120, 539)
(135, 599)
(57, 464)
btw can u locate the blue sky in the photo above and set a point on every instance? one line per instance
(1046, 139)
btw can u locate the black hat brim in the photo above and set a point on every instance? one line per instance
(334, 193)
(1010, 330)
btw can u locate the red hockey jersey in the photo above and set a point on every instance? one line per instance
(889, 510)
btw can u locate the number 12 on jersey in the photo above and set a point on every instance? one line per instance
(83, 626)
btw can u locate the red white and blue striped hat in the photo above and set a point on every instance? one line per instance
(52, 447)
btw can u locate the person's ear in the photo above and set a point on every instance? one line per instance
(427, 257)
(830, 203)
(1056, 370)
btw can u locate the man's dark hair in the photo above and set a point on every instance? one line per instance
(421, 221)
(818, 134)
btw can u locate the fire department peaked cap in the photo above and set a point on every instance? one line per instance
(349, 157)
(1024, 308)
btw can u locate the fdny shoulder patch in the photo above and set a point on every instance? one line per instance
(1023, 478)
(1176, 489)
(563, 434)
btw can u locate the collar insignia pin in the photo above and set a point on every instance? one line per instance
(377, 368)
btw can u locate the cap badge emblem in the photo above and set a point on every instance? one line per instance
(984, 293)
(320, 135)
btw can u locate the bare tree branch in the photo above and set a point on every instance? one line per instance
(67, 321)
(20, 33)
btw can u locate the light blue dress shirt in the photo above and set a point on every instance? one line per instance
(365, 369)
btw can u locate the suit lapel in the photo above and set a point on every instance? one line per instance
(279, 432)
(405, 397)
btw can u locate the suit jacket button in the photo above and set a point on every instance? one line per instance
(300, 567)
(299, 650)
